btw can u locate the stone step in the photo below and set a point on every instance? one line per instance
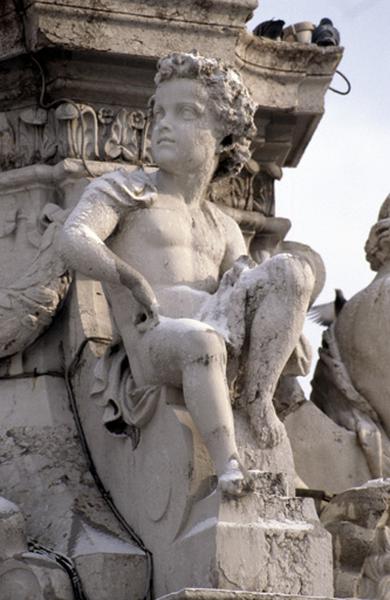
(269, 508)
(212, 594)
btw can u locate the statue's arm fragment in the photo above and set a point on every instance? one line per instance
(235, 244)
(83, 248)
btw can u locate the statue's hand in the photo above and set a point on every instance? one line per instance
(147, 316)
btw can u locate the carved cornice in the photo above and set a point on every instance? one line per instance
(129, 27)
(289, 82)
(37, 135)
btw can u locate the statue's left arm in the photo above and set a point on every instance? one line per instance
(235, 244)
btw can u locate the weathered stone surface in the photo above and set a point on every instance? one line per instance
(143, 29)
(25, 574)
(358, 520)
(297, 76)
(11, 32)
(313, 435)
(12, 536)
(43, 470)
(34, 577)
(208, 594)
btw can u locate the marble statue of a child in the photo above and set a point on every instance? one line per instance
(171, 262)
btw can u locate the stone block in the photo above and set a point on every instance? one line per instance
(34, 577)
(12, 535)
(211, 594)
(358, 520)
(327, 456)
(144, 29)
(259, 543)
(108, 566)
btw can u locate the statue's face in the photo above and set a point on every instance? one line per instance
(186, 134)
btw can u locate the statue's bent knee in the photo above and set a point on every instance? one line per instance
(289, 270)
(203, 346)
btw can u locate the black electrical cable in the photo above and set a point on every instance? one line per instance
(349, 86)
(63, 561)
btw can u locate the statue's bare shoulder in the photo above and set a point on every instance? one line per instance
(108, 198)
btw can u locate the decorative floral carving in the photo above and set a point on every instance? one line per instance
(79, 130)
(36, 135)
(105, 116)
(123, 140)
(137, 120)
(72, 130)
(252, 189)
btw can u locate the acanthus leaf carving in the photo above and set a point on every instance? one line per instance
(123, 140)
(34, 116)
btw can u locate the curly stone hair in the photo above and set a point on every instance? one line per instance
(377, 246)
(230, 101)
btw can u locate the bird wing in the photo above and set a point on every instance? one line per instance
(323, 314)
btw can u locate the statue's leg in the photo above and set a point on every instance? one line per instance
(278, 293)
(189, 354)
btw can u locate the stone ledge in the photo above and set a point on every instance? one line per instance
(147, 29)
(212, 594)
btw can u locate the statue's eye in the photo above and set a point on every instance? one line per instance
(158, 113)
(189, 112)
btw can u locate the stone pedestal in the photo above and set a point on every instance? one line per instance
(263, 542)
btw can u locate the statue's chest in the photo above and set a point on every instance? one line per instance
(166, 228)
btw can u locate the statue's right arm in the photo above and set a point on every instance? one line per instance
(83, 248)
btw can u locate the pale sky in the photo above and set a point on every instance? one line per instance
(334, 195)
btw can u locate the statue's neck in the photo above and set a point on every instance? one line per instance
(192, 187)
(384, 270)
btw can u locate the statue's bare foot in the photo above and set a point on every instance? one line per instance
(233, 481)
(268, 428)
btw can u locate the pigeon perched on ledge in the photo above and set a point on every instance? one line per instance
(325, 34)
(270, 29)
(326, 314)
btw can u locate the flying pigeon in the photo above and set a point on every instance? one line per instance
(325, 34)
(271, 29)
(326, 314)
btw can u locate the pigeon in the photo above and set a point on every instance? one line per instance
(270, 29)
(326, 314)
(325, 34)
